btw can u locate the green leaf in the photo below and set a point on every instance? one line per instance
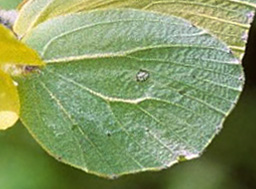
(126, 91)
(229, 20)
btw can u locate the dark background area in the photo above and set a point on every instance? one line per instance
(228, 163)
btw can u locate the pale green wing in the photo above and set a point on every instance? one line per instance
(229, 20)
(126, 91)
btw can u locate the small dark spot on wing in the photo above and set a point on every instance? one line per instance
(142, 75)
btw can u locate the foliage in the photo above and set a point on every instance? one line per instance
(10, 46)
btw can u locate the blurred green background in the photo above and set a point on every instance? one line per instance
(228, 163)
(9, 4)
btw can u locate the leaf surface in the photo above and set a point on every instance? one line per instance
(14, 52)
(9, 102)
(229, 20)
(126, 91)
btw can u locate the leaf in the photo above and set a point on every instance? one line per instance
(126, 91)
(9, 102)
(14, 52)
(229, 20)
